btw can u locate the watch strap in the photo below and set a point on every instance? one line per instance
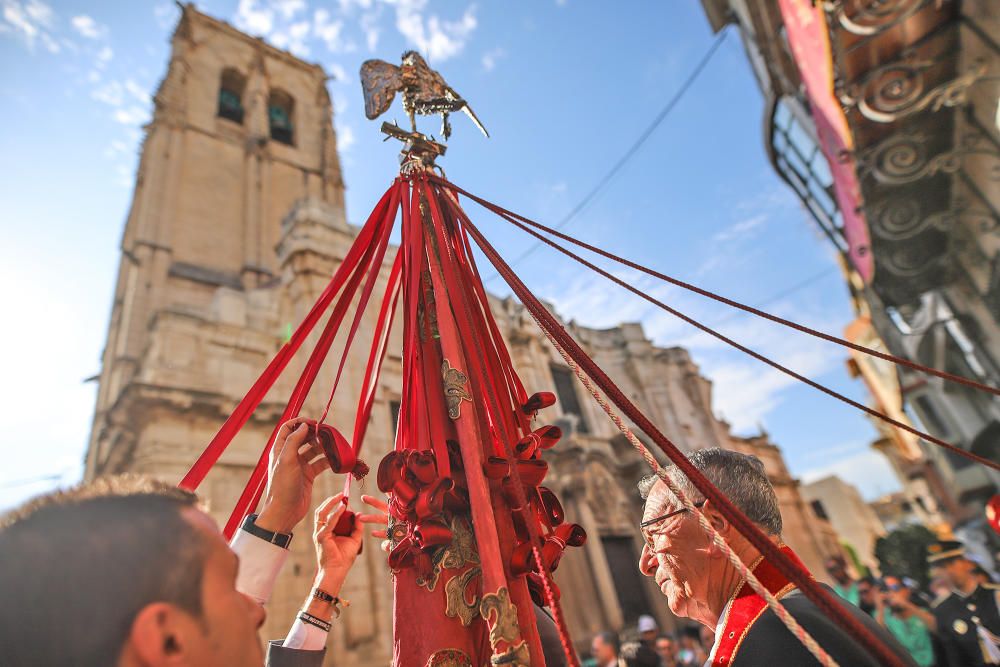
(278, 539)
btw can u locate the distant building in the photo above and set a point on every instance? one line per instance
(237, 222)
(833, 499)
(897, 510)
(883, 118)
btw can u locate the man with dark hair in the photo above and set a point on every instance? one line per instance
(129, 571)
(700, 582)
(604, 649)
(843, 585)
(968, 620)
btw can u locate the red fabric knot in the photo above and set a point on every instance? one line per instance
(337, 450)
(538, 401)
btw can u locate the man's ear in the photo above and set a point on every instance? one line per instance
(161, 635)
(721, 525)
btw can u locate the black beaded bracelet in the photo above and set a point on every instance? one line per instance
(320, 594)
(315, 621)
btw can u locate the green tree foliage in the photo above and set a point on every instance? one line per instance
(903, 552)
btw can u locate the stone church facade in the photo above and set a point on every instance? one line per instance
(237, 223)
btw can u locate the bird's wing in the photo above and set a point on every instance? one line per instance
(380, 81)
(471, 114)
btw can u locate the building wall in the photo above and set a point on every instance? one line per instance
(232, 236)
(855, 522)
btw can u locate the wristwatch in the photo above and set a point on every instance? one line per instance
(278, 539)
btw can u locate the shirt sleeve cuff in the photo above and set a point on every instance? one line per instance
(305, 637)
(260, 562)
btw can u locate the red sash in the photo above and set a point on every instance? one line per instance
(747, 607)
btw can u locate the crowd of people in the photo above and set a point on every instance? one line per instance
(131, 572)
(647, 646)
(950, 624)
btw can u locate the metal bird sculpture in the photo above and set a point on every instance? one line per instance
(424, 91)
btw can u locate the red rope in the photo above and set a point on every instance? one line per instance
(510, 217)
(756, 355)
(519, 490)
(823, 600)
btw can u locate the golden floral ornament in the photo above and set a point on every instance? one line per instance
(449, 657)
(454, 389)
(515, 656)
(504, 626)
(456, 593)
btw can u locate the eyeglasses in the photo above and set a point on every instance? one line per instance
(647, 536)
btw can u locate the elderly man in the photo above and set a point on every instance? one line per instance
(700, 583)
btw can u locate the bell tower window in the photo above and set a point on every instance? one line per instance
(280, 116)
(231, 90)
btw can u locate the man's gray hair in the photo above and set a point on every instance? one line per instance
(741, 477)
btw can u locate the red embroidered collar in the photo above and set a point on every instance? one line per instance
(746, 607)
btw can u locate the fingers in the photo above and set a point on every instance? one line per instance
(374, 518)
(380, 505)
(316, 467)
(328, 512)
(379, 533)
(291, 435)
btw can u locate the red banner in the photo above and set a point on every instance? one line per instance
(805, 26)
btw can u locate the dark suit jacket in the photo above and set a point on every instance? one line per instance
(769, 643)
(279, 656)
(956, 618)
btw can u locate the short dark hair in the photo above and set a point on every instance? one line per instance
(76, 566)
(741, 478)
(611, 639)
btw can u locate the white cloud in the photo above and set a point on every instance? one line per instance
(369, 26)
(327, 30)
(868, 470)
(32, 21)
(288, 8)
(740, 230)
(337, 72)
(490, 58)
(88, 27)
(137, 91)
(104, 56)
(165, 14)
(111, 93)
(435, 38)
(293, 39)
(254, 19)
(132, 115)
(345, 137)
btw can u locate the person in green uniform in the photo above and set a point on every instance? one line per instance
(907, 622)
(843, 584)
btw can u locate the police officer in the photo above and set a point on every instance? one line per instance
(968, 620)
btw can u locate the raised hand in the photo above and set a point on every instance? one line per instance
(335, 554)
(380, 517)
(294, 465)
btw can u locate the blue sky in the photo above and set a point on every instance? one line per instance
(564, 88)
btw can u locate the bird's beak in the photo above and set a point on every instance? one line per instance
(471, 114)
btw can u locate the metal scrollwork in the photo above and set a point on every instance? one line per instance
(454, 389)
(897, 90)
(902, 158)
(902, 218)
(458, 603)
(870, 17)
(912, 260)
